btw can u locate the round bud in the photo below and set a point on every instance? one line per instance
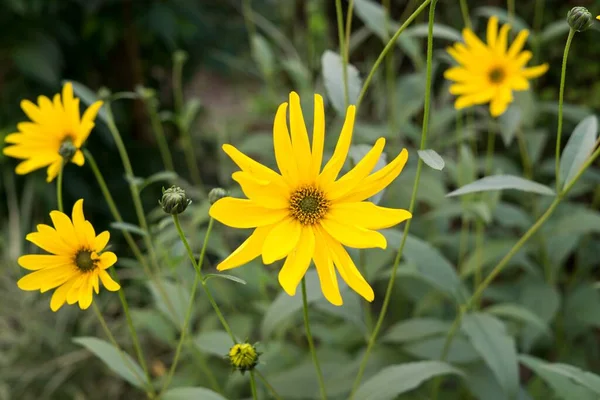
(67, 149)
(243, 357)
(216, 194)
(579, 18)
(174, 200)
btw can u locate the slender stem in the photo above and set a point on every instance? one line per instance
(464, 9)
(510, 7)
(267, 384)
(349, 14)
(525, 159)
(197, 279)
(560, 108)
(253, 386)
(340, 27)
(366, 304)
(59, 186)
(413, 201)
(387, 48)
(113, 341)
(538, 16)
(159, 133)
(311, 344)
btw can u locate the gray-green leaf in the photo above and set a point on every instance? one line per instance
(432, 159)
(334, 81)
(127, 227)
(191, 393)
(501, 182)
(578, 149)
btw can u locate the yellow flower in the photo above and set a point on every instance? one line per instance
(56, 132)
(305, 213)
(243, 357)
(489, 72)
(75, 262)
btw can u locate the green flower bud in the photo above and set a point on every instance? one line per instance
(216, 194)
(174, 200)
(579, 18)
(243, 357)
(67, 150)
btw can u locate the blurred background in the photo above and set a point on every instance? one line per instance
(243, 58)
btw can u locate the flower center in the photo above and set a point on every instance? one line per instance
(496, 75)
(67, 149)
(308, 205)
(84, 261)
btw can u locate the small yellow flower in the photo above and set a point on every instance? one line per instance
(76, 261)
(243, 356)
(305, 212)
(489, 72)
(56, 133)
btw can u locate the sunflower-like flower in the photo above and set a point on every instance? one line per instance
(490, 72)
(54, 135)
(305, 212)
(76, 261)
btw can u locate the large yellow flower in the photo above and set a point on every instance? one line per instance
(75, 263)
(489, 72)
(56, 132)
(304, 212)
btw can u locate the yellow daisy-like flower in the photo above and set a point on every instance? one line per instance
(305, 212)
(75, 263)
(56, 133)
(489, 72)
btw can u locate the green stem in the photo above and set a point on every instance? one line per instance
(346, 55)
(366, 304)
(59, 186)
(311, 343)
(253, 386)
(387, 48)
(464, 9)
(525, 159)
(510, 7)
(413, 201)
(560, 107)
(340, 27)
(126, 361)
(197, 279)
(267, 384)
(159, 134)
(538, 16)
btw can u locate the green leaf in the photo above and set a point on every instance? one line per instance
(517, 23)
(578, 149)
(501, 182)
(519, 313)
(190, 111)
(88, 97)
(392, 381)
(127, 227)
(191, 393)
(567, 381)
(171, 299)
(543, 300)
(461, 351)
(216, 343)
(373, 15)
(489, 337)
(432, 159)
(509, 122)
(334, 82)
(119, 362)
(554, 30)
(263, 55)
(285, 305)
(440, 31)
(225, 276)
(415, 329)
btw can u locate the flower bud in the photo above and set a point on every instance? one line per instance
(579, 18)
(67, 150)
(216, 194)
(243, 357)
(174, 200)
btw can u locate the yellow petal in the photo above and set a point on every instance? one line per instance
(108, 282)
(297, 263)
(65, 229)
(481, 97)
(107, 260)
(347, 268)
(241, 213)
(264, 193)
(73, 293)
(94, 282)
(252, 167)
(300, 143)
(87, 121)
(502, 40)
(49, 240)
(353, 178)
(519, 83)
(378, 180)
(34, 262)
(335, 164)
(79, 224)
(282, 144)
(467, 88)
(458, 74)
(85, 293)
(101, 241)
(518, 44)
(247, 251)
(367, 215)
(34, 163)
(60, 294)
(326, 272)
(32, 111)
(473, 41)
(281, 240)
(534, 72)
(78, 158)
(492, 31)
(353, 236)
(53, 170)
(47, 278)
(318, 138)
(523, 58)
